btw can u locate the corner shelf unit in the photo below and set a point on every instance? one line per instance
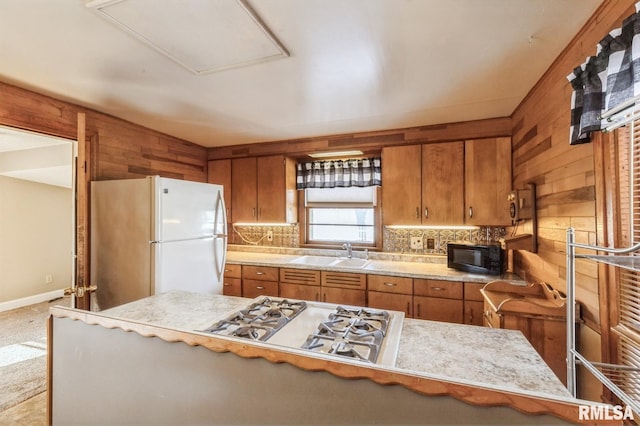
(617, 257)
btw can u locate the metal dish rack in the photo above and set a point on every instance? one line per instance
(613, 376)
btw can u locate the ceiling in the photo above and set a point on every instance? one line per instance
(340, 65)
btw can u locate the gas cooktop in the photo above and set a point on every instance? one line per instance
(365, 334)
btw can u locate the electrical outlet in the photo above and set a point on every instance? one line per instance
(431, 244)
(269, 235)
(416, 243)
(48, 279)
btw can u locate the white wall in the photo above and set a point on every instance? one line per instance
(35, 238)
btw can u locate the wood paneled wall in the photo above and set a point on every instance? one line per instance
(564, 174)
(370, 141)
(122, 149)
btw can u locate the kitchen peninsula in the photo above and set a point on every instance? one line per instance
(157, 368)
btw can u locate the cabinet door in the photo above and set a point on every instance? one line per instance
(244, 196)
(487, 181)
(300, 291)
(443, 183)
(473, 312)
(437, 309)
(401, 185)
(219, 172)
(390, 301)
(271, 189)
(344, 296)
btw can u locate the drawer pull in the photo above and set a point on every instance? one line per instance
(259, 273)
(437, 288)
(259, 287)
(390, 284)
(409, 309)
(227, 284)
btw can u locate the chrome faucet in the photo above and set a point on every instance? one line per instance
(347, 246)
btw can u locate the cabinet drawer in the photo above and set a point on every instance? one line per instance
(472, 291)
(233, 271)
(255, 288)
(437, 288)
(265, 273)
(232, 286)
(343, 280)
(300, 276)
(387, 284)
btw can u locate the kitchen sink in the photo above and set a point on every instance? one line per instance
(341, 262)
(314, 260)
(350, 263)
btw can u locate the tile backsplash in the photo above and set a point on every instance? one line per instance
(395, 240)
(434, 241)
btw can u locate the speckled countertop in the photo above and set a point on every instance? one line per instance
(401, 265)
(474, 355)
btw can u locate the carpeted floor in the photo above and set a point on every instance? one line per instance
(23, 352)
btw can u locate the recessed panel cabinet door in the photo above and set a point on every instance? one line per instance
(244, 196)
(271, 189)
(443, 183)
(487, 181)
(402, 185)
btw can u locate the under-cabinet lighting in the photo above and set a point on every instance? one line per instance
(335, 154)
(460, 227)
(260, 224)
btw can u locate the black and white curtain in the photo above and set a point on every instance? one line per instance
(605, 80)
(339, 173)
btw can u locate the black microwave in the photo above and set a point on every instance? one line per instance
(480, 258)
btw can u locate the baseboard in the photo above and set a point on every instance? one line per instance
(31, 300)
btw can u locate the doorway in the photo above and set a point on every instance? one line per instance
(37, 211)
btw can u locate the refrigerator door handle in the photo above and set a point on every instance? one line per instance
(220, 220)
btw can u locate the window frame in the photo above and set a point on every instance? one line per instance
(305, 242)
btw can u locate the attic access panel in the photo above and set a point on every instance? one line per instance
(203, 36)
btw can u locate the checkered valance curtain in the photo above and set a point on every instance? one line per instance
(605, 80)
(339, 173)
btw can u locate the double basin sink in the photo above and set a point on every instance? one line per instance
(340, 262)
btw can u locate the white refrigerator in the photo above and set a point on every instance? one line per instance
(154, 234)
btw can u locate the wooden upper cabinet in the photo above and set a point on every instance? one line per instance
(401, 185)
(487, 181)
(264, 189)
(443, 183)
(219, 172)
(423, 184)
(244, 197)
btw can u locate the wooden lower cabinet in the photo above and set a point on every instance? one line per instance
(391, 293)
(437, 309)
(259, 281)
(438, 300)
(302, 284)
(393, 302)
(232, 280)
(344, 296)
(343, 288)
(255, 288)
(473, 304)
